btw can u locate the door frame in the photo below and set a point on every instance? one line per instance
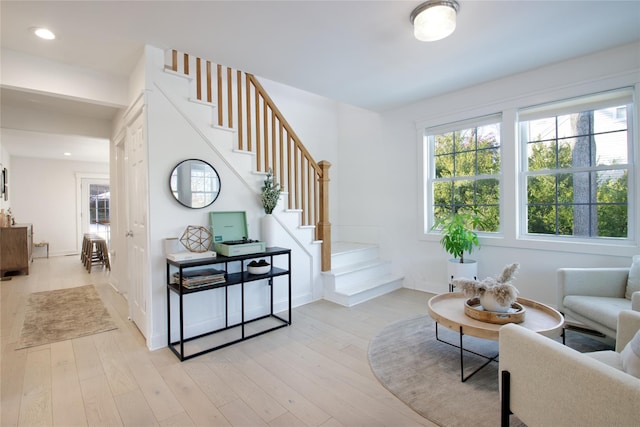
(80, 177)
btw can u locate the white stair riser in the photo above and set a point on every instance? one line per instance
(360, 275)
(343, 259)
(350, 300)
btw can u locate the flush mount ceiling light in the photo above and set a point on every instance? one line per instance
(44, 33)
(434, 20)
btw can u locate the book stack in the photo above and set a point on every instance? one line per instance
(198, 278)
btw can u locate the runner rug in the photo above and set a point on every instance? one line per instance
(63, 314)
(425, 373)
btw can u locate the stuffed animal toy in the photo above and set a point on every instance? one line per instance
(500, 287)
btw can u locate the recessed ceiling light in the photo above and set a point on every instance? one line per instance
(44, 33)
(67, 154)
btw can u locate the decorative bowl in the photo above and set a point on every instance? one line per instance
(259, 267)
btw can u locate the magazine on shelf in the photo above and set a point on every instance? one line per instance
(198, 278)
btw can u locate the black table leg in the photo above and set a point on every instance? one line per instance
(464, 378)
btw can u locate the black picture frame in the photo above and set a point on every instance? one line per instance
(4, 186)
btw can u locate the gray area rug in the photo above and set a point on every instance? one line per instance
(425, 374)
(63, 314)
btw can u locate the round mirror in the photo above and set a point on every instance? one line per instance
(194, 183)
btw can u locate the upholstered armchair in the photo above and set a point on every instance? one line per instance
(545, 383)
(595, 296)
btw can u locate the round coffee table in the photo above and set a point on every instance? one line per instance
(448, 310)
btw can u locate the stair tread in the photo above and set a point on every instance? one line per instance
(357, 266)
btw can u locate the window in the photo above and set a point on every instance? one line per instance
(465, 169)
(99, 210)
(575, 168)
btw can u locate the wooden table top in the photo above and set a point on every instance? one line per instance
(448, 310)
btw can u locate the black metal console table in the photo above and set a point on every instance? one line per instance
(240, 279)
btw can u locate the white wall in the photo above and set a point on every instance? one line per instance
(363, 186)
(34, 119)
(43, 193)
(422, 259)
(36, 74)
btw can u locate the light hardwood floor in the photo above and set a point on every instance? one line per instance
(313, 373)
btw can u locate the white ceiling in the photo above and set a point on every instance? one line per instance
(358, 52)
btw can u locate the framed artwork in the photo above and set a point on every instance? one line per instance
(4, 186)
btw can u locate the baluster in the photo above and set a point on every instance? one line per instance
(240, 124)
(258, 140)
(296, 175)
(248, 90)
(265, 120)
(289, 174)
(198, 80)
(230, 98)
(219, 84)
(209, 88)
(274, 150)
(316, 182)
(281, 152)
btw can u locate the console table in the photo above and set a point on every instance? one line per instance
(221, 337)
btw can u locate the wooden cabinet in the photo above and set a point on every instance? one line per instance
(16, 245)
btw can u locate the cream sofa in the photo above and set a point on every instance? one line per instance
(545, 383)
(595, 296)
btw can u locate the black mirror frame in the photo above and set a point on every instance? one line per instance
(212, 168)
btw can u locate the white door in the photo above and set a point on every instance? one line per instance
(137, 240)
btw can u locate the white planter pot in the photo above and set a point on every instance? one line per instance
(269, 229)
(457, 270)
(489, 303)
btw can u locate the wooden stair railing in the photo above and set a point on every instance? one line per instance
(244, 105)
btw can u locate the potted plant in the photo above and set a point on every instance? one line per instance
(459, 235)
(269, 197)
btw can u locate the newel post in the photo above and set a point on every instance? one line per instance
(324, 226)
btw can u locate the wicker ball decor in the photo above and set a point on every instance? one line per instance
(196, 238)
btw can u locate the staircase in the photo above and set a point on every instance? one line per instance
(244, 108)
(251, 136)
(357, 274)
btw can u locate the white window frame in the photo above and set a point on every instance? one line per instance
(585, 102)
(429, 172)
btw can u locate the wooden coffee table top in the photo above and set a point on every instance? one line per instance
(448, 310)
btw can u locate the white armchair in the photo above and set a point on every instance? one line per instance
(595, 296)
(545, 383)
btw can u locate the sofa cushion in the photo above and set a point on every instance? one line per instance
(603, 310)
(630, 356)
(633, 281)
(608, 357)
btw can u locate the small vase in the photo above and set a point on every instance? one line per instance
(269, 227)
(489, 303)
